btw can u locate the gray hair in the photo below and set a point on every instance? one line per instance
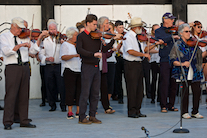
(50, 23)
(101, 20)
(70, 32)
(181, 27)
(177, 22)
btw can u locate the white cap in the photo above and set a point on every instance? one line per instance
(19, 21)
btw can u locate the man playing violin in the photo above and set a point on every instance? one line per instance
(49, 56)
(118, 90)
(166, 83)
(133, 54)
(17, 77)
(90, 53)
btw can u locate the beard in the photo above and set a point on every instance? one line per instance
(138, 31)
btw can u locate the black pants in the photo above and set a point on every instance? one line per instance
(72, 86)
(196, 90)
(90, 86)
(111, 76)
(155, 69)
(17, 79)
(43, 86)
(118, 90)
(134, 85)
(54, 84)
(168, 86)
(146, 70)
(104, 91)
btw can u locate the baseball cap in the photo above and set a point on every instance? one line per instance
(19, 21)
(168, 15)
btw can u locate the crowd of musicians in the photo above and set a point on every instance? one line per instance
(80, 67)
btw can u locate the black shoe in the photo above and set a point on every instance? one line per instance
(133, 116)
(115, 98)
(153, 101)
(52, 109)
(28, 125)
(1, 108)
(63, 109)
(7, 127)
(121, 101)
(42, 104)
(30, 120)
(142, 115)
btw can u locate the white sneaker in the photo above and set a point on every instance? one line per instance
(197, 116)
(186, 116)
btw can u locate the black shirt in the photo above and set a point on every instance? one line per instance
(86, 47)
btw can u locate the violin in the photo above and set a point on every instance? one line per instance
(202, 34)
(143, 38)
(98, 34)
(172, 30)
(26, 33)
(192, 42)
(59, 35)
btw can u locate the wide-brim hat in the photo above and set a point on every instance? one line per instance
(135, 22)
(18, 21)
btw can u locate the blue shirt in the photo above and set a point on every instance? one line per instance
(186, 53)
(164, 51)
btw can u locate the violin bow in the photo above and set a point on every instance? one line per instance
(31, 34)
(57, 39)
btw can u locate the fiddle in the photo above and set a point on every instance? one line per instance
(143, 38)
(202, 34)
(59, 35)
(26, 33)
(172, 30)
(98, 34)
(192, 42)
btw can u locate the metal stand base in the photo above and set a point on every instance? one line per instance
(181, 130)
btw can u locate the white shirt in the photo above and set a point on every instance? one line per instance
(131, 44)
(112, 58)
(51, 49)
(155, 56)
(10, 56)
(74, 63)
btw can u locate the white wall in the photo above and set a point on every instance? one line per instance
(68, 16)
(25, 12)
(198, 12)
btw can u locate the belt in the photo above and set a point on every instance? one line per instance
(22, 64)
(133, 61)
(53, 64)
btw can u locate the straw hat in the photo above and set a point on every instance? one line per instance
(135, 22)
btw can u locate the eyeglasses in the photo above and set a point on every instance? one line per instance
(199, 26)
(186, 31)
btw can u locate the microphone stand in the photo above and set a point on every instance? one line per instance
(146, 132)
(181, 129)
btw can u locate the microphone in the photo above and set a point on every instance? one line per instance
(143, 128)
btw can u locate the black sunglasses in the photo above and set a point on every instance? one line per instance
(199, 26)
(186, 31)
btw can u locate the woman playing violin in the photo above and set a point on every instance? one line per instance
(192, 69)
(196, 30)
(107, 69)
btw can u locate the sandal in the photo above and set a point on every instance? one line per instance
(173, 109)
(164, 110)
(109, 111)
